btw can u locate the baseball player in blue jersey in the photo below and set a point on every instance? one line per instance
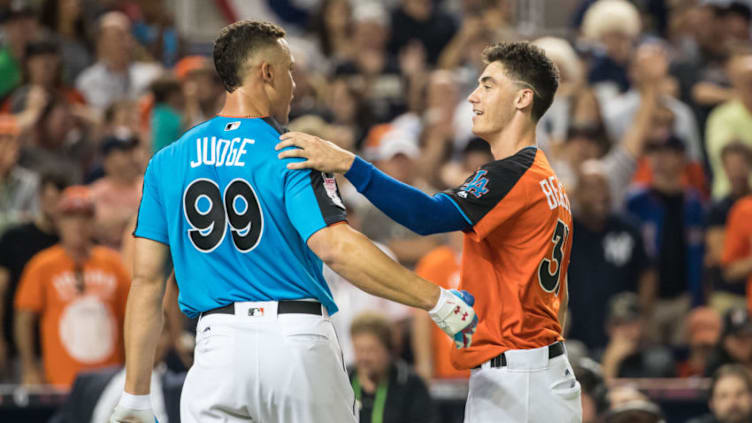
(247, 238)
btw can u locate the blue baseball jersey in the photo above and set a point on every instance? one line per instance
(235, 218)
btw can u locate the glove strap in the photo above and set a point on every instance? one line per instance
(135, 402)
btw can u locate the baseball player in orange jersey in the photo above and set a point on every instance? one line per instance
(518, 236)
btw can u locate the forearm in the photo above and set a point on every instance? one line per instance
(637, 133)
(404, 204)
(24, 337)
(738, 270)
(357, 259)
(143, 324)
(422, 345)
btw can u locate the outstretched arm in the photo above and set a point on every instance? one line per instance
(404, 204)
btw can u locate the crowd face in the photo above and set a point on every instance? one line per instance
(740, 71)
(492, 100)
(618, 45)
(337, 16)
(75, 230)
(737, 168)
(43, 69)
(9, 150)
(739, 347)
(593, 196)
(732, 400)
(121, 165)
(49, 197)
(371, 355)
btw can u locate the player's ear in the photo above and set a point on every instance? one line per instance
(524, 99)
(267, 72)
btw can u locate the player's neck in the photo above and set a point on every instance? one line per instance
(520, 133)
(246, 102)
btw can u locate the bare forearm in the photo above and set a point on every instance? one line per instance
(421, 343)
(358, 260)
(739, 269)
(635, 136)
(143, 324)
(24, 336)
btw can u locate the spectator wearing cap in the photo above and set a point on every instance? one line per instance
(727, 293)
(386, 390)
(117, 194)
(19, 26)
(78, 291)
(18, 186)
(396, 154)
(627, 354)
(731, 121)
(671, 219)
(609, 249)
(43, 70)
(637, 411)
(730, 397)
(115, 75)
(167, 118)
(17, 246)
(594, 389)
(735, 346)
(202, 88)
(704, 330)
(736, 260)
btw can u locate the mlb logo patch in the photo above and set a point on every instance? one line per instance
(256, 312)
(232, 126)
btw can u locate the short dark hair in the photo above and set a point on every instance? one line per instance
(236, 42)
(529, 64)
(162, 88)
(730, 370)
(737, 147)
(56, 178)
(373, 324)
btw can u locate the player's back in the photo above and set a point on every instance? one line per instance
(516, 258)
(237, 219)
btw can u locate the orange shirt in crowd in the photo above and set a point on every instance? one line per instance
(80, 328)
(737, 244)
(515, 258)
(442, 267)
(693, 176)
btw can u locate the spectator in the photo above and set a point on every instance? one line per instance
(704, 329)
(116, 196)
(613, 26)
(18, 186)
(649, 73)
(167, 120)
(442, 267)
(421, 20)
(114, 76)
(639, 411)
(386, 390)
(627, 354)
(737, 22)
(735, 346)
(671, 219)
(609, 249)
(737, 164)
(332, 26)
(730, 397)
(594, 389)
(43, 70)
(202, 89)
(17, 246)
(78, 291)
(736, 260)
(153, 28)
(19, 26)
(66, 19)
(731, 121)
(95, 393)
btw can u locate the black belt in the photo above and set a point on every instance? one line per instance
(283, 307)
(554, 350)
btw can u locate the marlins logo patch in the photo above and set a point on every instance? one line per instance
(330, 185)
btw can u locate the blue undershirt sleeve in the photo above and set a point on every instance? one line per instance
(408, 206)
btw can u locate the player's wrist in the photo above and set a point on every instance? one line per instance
(135, 402)
(347, 162)
(437, 301)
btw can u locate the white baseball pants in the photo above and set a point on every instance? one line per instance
(531, 388)
(267, 368)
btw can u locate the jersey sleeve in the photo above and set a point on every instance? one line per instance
(312, 201)
(30, 295)
(151, 222)
(492, 184)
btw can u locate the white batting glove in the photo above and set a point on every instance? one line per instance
(454, 314)
(133, 409)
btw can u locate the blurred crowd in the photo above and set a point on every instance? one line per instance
(650, 130)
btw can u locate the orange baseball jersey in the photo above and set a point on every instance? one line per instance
(516, 256)
(442, 267)
(80, 328)
(737, 244)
